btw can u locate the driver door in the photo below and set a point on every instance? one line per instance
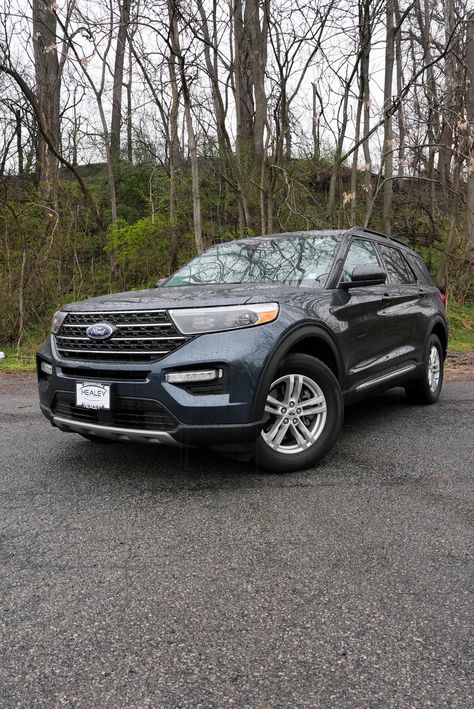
(361, 317)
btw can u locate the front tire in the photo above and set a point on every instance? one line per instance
(427, 388)
(305, 411)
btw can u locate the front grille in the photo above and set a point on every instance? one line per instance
(142, 414)
(125, 375)
(141, 336)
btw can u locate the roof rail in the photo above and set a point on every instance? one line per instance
(379, 233)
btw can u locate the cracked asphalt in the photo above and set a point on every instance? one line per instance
(138, 576)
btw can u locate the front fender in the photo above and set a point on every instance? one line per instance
(298, 333)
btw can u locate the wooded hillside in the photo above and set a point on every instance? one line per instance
(136, 133)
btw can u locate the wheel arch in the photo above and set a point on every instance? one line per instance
(439, 329)
(314, 340)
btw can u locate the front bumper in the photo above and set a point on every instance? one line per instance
(113, 433)
(225, 420)
(226, 437)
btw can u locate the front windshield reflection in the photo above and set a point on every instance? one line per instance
(300, 261)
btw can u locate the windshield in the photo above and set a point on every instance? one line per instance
(301, 261)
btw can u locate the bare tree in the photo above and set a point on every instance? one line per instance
(470, 131)
(388, 142)
(430, 89)
(97, 85)
(179, 55)
(243, 88)
(452, 85)
(48, 89)
(118, 80)
(211, 55)
(343, 119)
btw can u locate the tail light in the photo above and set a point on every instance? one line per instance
(443, 298)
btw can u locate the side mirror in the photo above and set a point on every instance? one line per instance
(365, 275)
(160, 282)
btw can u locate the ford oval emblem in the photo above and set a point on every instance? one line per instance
(100, 331)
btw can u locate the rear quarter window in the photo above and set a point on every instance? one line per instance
(420, 269)
(398, 269)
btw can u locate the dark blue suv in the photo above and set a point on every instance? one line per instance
(252, 348)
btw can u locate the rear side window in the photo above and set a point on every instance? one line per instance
(361, 253)
(420, 269)
(397, 267)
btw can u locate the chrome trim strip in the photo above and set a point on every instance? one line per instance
(113, 432)
(120, 339)
(385, 377)
(150, 324)
(121, 311)
(117, 352)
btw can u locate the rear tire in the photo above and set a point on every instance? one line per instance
(304, 416)
(427, 388)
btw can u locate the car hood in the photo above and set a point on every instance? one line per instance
(194, 296)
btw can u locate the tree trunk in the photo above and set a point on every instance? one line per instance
(257, 35)
(244, 110)
(470, 138)
(194, 172)
(431, 94)
(315, 126)
(225, 146)
(19, 141)
(173, 140)
(129, 105)
(243, 86)
(401, 116)
(366, 43)
(388, 135)
(355, 159)
(191, 135)
(443, 275)
(336, 171)
(449, 100)
(116, 120)
(48, 87)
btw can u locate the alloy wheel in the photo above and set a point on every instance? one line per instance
(434, 368)
(297, 410)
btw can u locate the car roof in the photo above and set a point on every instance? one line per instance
(365, 231)
(291, 235)
(353, 231)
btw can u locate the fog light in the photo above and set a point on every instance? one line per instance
(46, 367)
(202, 375)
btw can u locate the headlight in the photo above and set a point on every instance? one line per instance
(191, 321)
(58, 319)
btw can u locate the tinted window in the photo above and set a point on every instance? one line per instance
(296, 261)
(361, 253)
(420, 269)
(397, 268)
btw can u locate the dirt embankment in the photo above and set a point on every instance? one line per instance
(460, 365)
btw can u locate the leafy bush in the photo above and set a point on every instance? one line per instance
(140, 248)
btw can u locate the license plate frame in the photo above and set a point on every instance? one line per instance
(93, 395)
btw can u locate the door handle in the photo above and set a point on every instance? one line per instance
(386, 296)
(422, 292)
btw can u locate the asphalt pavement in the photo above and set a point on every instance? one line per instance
(145, 576)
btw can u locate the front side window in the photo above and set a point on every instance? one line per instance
(397, 268)
(300, 261)
(361, 253)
